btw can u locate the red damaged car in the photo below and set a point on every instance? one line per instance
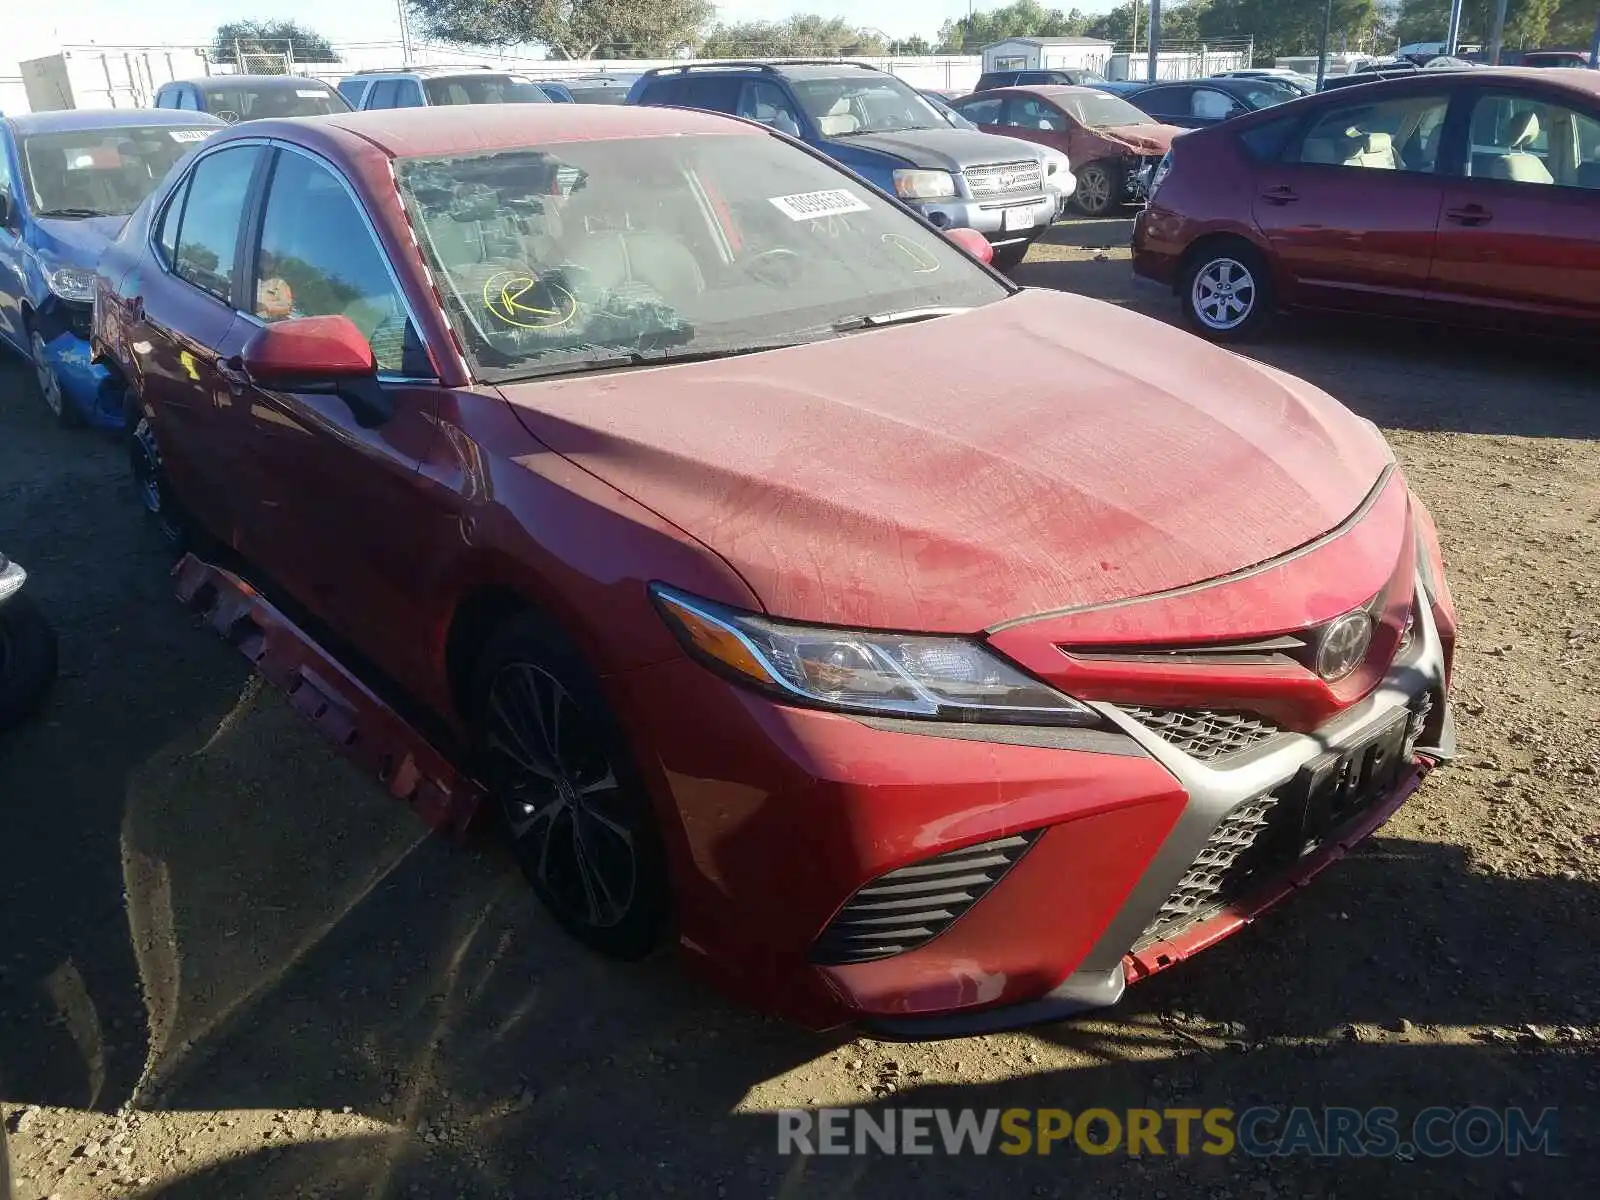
(919, 651)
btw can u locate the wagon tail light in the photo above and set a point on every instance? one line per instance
(938, 678)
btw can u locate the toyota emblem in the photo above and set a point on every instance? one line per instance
(1344, 645)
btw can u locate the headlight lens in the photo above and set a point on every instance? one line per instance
(924, 185)
(71, 283)
(862, 671)
(1163, 168)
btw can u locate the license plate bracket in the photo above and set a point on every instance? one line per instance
(1336, 785)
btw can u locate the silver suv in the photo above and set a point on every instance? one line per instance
(422, 87)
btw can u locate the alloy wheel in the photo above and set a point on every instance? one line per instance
(1223, 294)
(49, 385)
(147, 467)
(561, 797)
(1094, 190)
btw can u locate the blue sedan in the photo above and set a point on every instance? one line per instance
(68, 181)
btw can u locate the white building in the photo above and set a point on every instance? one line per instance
(1047, 53)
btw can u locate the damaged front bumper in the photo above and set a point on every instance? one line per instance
(91, 390)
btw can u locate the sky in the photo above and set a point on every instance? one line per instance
(117, 22)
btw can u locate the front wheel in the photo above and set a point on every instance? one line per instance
(558, 770)
(1099, 189)
(27, 658)
(55, 397)
(1226, 292)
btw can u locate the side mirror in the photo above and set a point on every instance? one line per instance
(5, 209)
(319, 354)
(973, 242)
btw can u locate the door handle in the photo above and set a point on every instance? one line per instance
(1280, 195)
(1471, 214)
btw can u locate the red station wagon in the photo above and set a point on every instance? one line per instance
(1464, 197)
(654, 456)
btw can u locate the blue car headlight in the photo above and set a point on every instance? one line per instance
(66, 281)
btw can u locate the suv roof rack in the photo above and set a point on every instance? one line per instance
(774, 66)
(427, 70)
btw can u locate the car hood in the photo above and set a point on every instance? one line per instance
(942, 149)
(895, 478)
(1145, 139)
(77, 241)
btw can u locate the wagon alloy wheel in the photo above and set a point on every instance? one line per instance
(1093, 191)
(1223, 294)
(563, 803)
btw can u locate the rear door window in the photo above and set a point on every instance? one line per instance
(408, 94)
(208, 237)
(1402, 134)
(719, 93)
(1165, 101)
(383, 93)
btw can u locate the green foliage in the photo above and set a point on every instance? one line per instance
(1290, 26)
(1530, 24)
(270, 37)
(911, 47)
(801, 36)
(569, 28)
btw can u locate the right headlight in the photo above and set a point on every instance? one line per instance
(924, 185)
(1163, 168)
(864, 671)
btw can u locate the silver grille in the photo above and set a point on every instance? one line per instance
(1205, 886)
(1205, 733)
(907, 908)
(1004, 179)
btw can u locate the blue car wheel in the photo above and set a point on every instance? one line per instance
(55, 397)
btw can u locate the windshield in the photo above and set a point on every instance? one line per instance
(1101, 110)
(234, 104)
(570, 257)
(484, 89)
(101, 172)
(874, 104)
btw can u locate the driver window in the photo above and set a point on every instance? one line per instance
(765, 102)
(1034, 114)
(318, 258)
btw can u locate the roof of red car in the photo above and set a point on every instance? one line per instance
(1051, 89)
(466, 127)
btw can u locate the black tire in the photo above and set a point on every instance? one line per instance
(49, 386)
(1226, 291)
(1008, 257)
(575, 813)
(1099, 189)
(177, 528)
(27, 659)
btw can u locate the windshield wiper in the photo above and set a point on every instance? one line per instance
(73, 212)
(641, 358)
(903, 317)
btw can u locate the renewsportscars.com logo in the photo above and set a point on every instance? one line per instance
(1261, 1132)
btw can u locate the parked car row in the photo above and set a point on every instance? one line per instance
(643, 450)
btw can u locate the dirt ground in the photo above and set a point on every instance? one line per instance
(229, 967)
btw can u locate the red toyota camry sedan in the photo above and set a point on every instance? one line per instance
(915, 650)
(1464, 197)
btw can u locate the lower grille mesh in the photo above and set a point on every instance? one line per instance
(1205, 733)
(909, 907)
(1216, 873)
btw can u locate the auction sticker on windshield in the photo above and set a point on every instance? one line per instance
(191, 135)
(807, 206)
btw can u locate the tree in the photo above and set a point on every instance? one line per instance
(1180, 23)
(271, 37)
(1023, 18)
(1288, 26)
(801, 36)
(1529, 23)
(911, 47)
(569, 28)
